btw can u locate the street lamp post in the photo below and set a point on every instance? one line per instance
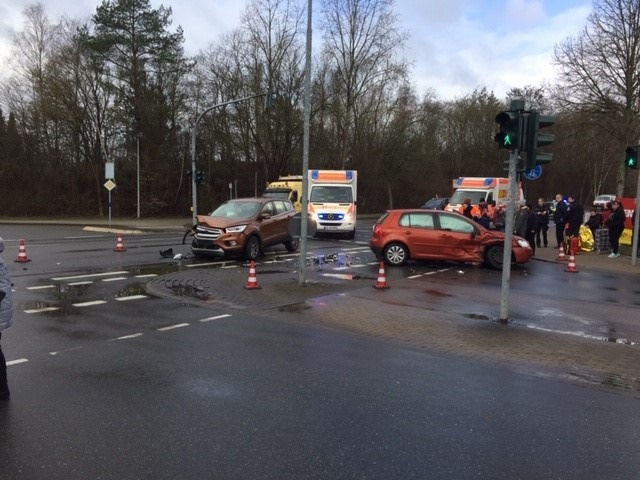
(194, 129)
(138, 173)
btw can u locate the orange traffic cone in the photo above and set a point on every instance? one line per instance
(571, 266)
(119, 245)
(22, 253)
(382, 280)
(252, 282)
(561, 256)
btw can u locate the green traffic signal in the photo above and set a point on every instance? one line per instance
(631, 160)
(507, 137)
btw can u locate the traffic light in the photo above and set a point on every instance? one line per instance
(631, 160)
(535, 139)
(199, 177)
(508, 137)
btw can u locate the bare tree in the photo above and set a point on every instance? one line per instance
(601, 73)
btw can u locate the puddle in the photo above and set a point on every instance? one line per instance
(477, 316)
(295, 307)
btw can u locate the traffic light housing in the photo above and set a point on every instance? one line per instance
(535, 139)
(199, 177)
(509, 136)
(631, 159)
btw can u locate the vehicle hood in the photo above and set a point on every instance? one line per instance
(221, 222)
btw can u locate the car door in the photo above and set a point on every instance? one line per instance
(269, 223)
(457, 238)
(419, 233)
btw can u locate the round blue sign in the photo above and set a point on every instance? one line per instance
(534, 173)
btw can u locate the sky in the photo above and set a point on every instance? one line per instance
(454, 46)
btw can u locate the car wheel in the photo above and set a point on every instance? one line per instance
(292, 245)
(396, 254)
(252, 248)
(494, 256)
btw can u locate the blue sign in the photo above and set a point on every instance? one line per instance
(534, 173)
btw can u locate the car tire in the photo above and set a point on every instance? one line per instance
(252, 248)
(292, 244)
(395, 254)
(493, 257)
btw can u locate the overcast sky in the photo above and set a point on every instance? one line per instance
(455, 46)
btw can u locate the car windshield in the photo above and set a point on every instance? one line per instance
(237, 210)
(331, 194)
(459, 196)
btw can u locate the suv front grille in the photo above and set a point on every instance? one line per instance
(207, 233)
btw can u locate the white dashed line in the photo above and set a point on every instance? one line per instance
(16, 362)
(113, 279)
(217, 317)
(130, 297)
(125, 337)
(171, 327)
(148, 275)
(89, 304)
(41, 287)
(75, 284)
(41, 310)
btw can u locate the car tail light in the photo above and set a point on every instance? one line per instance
(377, 229)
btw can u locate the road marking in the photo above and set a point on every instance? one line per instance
(125, 337)
(171, 327)
(147, 275)
(89, 304)
(72, 349)
(75, 277)
(40, 310)
(217, 317)
(17, 361)
(201, 264)
(343, 276)
(130, 297)
(415, 276)
(230, 266)
(113, 279)
(41, 287)
(75, 284)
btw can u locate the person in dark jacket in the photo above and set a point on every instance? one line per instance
(532, 222)
(575, 217)
(559, 219)
(594, 221)
(541, 212)
(616, 227)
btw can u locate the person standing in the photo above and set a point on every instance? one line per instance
(616, 227)
(6, 318)
(541, 212)
(575, 217)
(532, 221)
(559, 219)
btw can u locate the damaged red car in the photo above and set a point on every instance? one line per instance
(416, 234)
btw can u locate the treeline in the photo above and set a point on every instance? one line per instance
(121, 89)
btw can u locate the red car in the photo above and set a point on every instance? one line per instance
(418, 234)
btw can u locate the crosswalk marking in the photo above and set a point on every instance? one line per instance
(41, 287)
(41, 310)
(130, 297)
(113, 279)
(89, 304)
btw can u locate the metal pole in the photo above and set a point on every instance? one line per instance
(508, 238)
(636, 233)
(305, 152)
(138, 171)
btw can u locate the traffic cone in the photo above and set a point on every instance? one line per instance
(561, 256)
(381, 284)
(22, 253)
(571, 266)
(119, 245)
(252, 282)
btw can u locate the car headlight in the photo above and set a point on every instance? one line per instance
(236, 229)
(523, 243)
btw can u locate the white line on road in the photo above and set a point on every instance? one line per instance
(16, 362)
(74, 277)
(41, 287)
(113, 279)
(125, 337)
(416, 276)
(75, 284)
(72, 349)
(130, 297)
(41, 310)
(89, 304)
(171, 327)
(217, 317)
(148, 275)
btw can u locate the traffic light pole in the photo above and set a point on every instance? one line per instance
(636, 221)
(508, 237)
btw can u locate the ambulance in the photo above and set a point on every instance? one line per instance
(491, 189)
(332, 201)
(287, 187)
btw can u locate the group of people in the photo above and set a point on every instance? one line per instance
(532, 222)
